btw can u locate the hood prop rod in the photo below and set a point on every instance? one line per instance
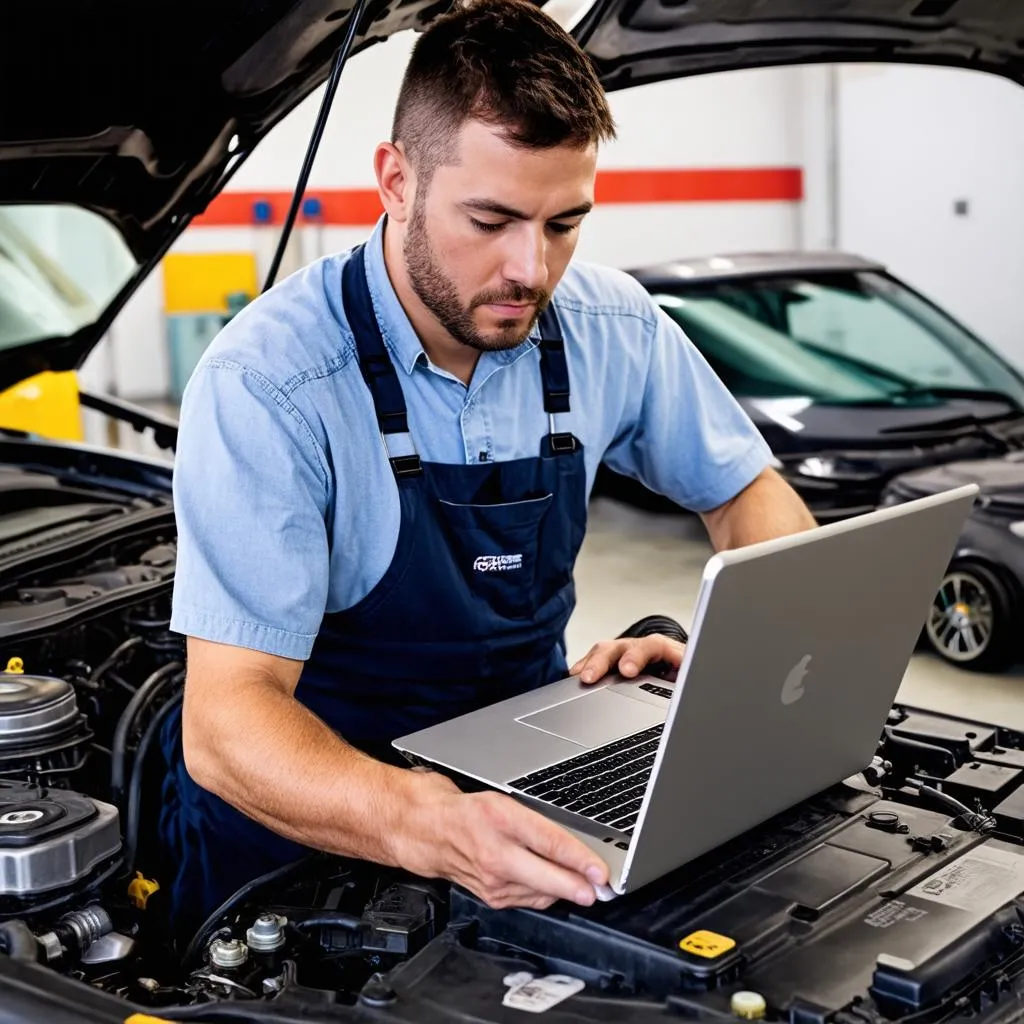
(314, 140)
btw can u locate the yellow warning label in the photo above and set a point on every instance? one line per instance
(145, 1018)
(707, 944)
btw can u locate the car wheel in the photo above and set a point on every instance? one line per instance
(970, 623)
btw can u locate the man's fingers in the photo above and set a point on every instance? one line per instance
(545, 879)
(630, 656)
(647, 650)
(557, 846)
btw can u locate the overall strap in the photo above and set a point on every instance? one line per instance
(375, 362)
(554, 372)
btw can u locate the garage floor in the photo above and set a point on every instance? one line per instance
(635, 564)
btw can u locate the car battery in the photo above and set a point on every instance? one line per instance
(873, 902)
(850, 909)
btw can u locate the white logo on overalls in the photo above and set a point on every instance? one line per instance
(498, 563)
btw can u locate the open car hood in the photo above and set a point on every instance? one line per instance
(634, 42)
(143, 123)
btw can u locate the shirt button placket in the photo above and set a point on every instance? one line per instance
(474, 432)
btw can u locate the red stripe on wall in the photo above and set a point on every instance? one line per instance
(361, 206)
(699, 185)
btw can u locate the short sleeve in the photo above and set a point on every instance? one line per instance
(689, 440)
(250, 494)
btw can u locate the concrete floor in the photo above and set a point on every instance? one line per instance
(635, 564)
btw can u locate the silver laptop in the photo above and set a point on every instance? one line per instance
(797, 650)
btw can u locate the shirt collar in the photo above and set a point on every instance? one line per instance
(399, 335)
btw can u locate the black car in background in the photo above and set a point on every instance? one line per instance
(974, 621)
(851, 375)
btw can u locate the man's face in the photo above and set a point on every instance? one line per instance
(490, 239)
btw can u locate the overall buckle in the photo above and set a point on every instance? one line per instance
(405, 466)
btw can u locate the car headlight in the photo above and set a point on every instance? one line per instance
(818, 466)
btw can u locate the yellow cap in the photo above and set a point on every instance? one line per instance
(748, 1005)
(140, 889)
(15, 667)
(709, 945)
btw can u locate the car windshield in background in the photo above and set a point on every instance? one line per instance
(60, 266)
(845, 338)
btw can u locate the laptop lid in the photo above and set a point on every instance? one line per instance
(796, 654)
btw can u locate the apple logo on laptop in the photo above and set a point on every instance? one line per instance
(793, 687)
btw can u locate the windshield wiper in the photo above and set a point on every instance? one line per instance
(942, 391)
(859, 364)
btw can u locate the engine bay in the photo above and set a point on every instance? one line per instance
(893, 896)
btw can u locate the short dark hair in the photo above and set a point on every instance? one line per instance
(508, 64)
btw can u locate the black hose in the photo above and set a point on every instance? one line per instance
(133, 812)
(119, 747)
(314, 140)
(656, 624)
(230, 1010)
(17, 941)
(975, 821)
(206, 928)
(330, 919)
(115, 656)
(666, 627)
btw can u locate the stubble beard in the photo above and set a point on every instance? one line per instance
(436, 290)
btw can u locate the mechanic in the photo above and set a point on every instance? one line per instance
(378, 517)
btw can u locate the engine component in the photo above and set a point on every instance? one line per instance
(748, 1005)
(109, 949)
(51, 838)
(228, 953)
(44, 735)
(267, 933)
(17, 941)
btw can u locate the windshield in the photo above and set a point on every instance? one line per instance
(60, 266)
(836, 338)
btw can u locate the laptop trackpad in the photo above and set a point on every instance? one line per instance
(594, 719)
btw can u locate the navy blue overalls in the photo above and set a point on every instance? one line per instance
(472, 609)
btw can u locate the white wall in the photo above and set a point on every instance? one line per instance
(913, 141)
(743, 119)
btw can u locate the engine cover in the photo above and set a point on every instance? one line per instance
(51, 838)
(43, 733)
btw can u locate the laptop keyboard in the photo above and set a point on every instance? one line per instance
(606, 784)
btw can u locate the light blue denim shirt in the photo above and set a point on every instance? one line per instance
(286, 505)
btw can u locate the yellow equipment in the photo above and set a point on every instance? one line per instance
(46, 404)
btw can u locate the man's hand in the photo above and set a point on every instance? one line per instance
(491, 844)
(629, 656)
(306, 783)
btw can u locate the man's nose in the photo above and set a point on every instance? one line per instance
(526, 260)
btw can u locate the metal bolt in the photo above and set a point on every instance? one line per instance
(149, 984)
(228, 953)
(267, 933)
(271, 985)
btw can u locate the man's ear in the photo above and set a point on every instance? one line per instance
(396, 181)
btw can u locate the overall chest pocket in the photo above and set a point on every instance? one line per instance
(500, 552)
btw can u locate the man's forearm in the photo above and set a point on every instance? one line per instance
(768, 508)
(260, 750)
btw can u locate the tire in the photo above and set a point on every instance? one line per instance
(971, 621)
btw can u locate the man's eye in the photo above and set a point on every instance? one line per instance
(562, 229)
(482, 225)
